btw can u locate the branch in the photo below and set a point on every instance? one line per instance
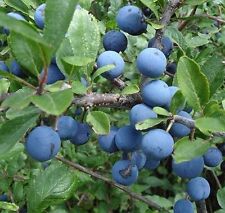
(119, 83)
(172, 6)
(201, 206)
(42, 81)
(108, 100)
(111, 183)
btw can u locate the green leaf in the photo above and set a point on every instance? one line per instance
(213, 124)
(4, 85)
(31, 55)
(148, 123)
(14, 113)
(54, 103)
(22, 28)
(17, 149)
(161, 201)
(18, 5)
(53, 186)
(153, 6)
(177, 103)
(102, 70)
(185, 150)
(84, 35)
(57, 86)
(19, 100)
(193, 83)
(12, 131)
(13, 77)
(197, 41)
(9, 206)
(58, 15)
(221, 197)
(78, 61)
(79, 88)
(161, 111)
(213, 68)
(131, 89)
(99, 121)
(194, 2)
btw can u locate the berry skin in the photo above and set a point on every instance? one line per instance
(67, 127)
(156, 93)
(111, 57)
(131, 20)
(15, 69)
(166, 43)
(151, 62)
(151, 163)
(140, 112)
(158, 144)
(128, 139)
(39, 16)
(3, 66)
(4, 197)
(213, 157)
(115, 41)
(171, 68)
(123, 172)
(183, 206)
(198, 189)
(189, 169)
(107, 142)
(54, 74)
(139, 159)
(82, 136)
(180, 130)
(43, 143)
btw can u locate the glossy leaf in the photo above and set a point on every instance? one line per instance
(130, 89)
(102, 70)
(177, 103)
(161, 111)
(221, 197)
(78, 88)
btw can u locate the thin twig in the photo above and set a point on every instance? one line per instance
(136, 196)
(42, 81)
(172, 6)
(184, 23)
(216, 179)
(119, 83)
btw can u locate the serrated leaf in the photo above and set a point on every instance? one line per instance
(185, 150)
(161, 111)
(213, 124)
(19, 100)
(102, 70)
(58, 15)
(213, 68)
(4, 85)
(99, 121)
(221, 197)
(193, 83)
(79, 88)
(153, 6)
(54, 103)
(31, 55)
(177, 103)
(148, 123)
(12, 131)
(53, 186)
(84, 35)
(9, 206)
(130, 89)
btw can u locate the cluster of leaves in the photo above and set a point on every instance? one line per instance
(74, 37)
